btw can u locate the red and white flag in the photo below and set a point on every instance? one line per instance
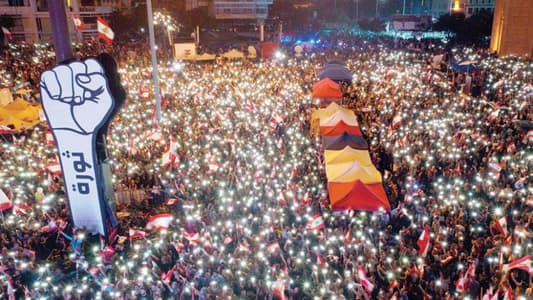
(320, 260)
(364, 280)
(192, 237)
(423, 242)
(166, 277)
(77, 22)
(278, 289)
(495, 167)
(19, 209)
(273, 247)
(107, 253)
(7, 33)
(54, 168)
(50, 139)
(171, 201)
(523, 263)
(104, 31)
(490, 294)
(396, 121)
(507, 293)
(161, 221)
(137, 234)
(168, 159)
(5, 203)
(460, 284)
(213, 167)
(316, 223)
(501, 225)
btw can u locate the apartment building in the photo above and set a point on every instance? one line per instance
(233, 9)
(32, 21)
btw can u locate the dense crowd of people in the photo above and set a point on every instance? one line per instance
(248, 178)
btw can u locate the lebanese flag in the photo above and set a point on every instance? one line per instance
(19, 209)
(511, 148)
(77, 22)
(396, 121)
(523, 263)
(460, 284)
(507, 293)
(501, 225)
(423, 242)
(250, 106)
(213, 167)
(7, 33)
(137, 234)
(192, 237)
(316, 223)
(107, 253)
(273, 247)
(161, 221)
(169, 159)
(278, 289)
(54, 168)
(320, 260)
(104, 31)
(171, 201)
(495, 167)
(166, 277)
(364, 280)
(50, 139)
(5, 203)
(490, 294)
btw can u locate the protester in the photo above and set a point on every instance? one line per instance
(248, 179)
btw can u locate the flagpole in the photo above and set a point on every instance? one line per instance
(58, 19)
(157, 93)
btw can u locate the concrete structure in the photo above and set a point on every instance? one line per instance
(475, 6)
(193, 4)
(239, 9)
(439, 8)
(512, 32)
(32, 22)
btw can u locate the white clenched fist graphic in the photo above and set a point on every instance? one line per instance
(76, 96)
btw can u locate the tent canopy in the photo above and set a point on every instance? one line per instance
(340, 128)
(348, 117)
(327, 88)
(335, 73)
(358, 196)
(346, 155)
(351, 171)
(339, 142)
(331, 109)
(19, 115)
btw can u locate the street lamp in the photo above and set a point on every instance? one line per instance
(356, 7)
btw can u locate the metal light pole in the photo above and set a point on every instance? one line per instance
(157, 93)
(403, 10)
(377, 2)
(58, 19)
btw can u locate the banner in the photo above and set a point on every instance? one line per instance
(185, 51)
(78, 102)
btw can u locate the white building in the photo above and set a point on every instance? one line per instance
(32, 21)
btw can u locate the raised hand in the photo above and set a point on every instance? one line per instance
(76, 96)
